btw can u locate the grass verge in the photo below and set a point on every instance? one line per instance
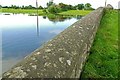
(103, 58)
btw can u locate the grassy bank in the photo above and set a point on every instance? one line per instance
(40, 12)
(29, 11)
(76, 12)
(103, 59)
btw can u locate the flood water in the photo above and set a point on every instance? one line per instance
(21, 36)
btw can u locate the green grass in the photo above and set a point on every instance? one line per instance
(40, 12)
(76, 12)
(103, 59)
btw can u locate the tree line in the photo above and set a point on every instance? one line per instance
(54, 8)
(21, 7)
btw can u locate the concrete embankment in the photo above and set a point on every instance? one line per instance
(63, 56)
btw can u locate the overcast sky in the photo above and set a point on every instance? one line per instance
(95, 3)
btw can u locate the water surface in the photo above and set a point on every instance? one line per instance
(20, 36)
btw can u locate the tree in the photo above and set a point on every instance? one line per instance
(23, 7)
(62, 6)
(30, 7)
(65, 7)
(80, 6)
(14, 7)
(70, 7)
(54, 9)
(0, 6)
(87, 6)
(40, 7)
(50, 3)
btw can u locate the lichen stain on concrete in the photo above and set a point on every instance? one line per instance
(34, 66)
(28, 70)
(73, 26)
(48, 50)
(80, 27)
(87, 28)
(54, 65)
(38, 53)
(58, 72)
(30, 63)
(60, 49)
(8, 73)
(69, 62)
(33, 58)
(47, 64)
(50, 44)
(61, 59)
(45, 57)
(79, 33)
(81, 40)
(17, 73)
(74, 53)
(67, 52)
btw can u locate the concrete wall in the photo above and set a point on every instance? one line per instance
(64, 55)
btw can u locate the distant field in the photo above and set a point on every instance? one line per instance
(30, 11)
(103, 59)
(76, 12)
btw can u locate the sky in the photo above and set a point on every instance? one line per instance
(95, 3)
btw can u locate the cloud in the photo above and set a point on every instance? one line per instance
(55, 31)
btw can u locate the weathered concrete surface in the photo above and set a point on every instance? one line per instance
(64, 55)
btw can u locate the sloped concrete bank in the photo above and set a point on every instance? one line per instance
(64, 55)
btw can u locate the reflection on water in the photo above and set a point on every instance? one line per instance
(61, 18)
(37, 26)
(21, 36)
